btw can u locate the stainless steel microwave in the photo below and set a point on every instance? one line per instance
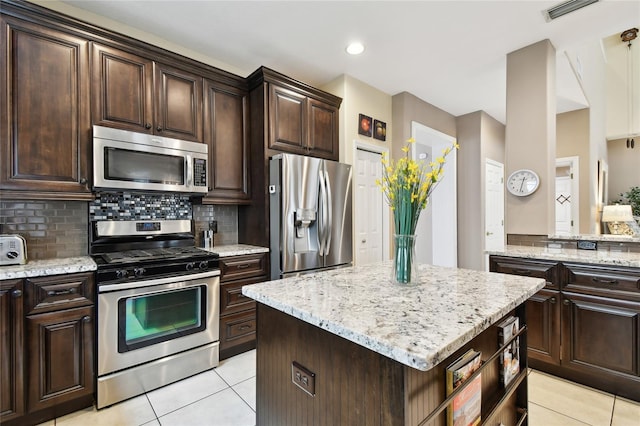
(125, 160)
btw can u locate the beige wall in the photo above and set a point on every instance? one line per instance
(408, 108)
(359, 98)
(572, 130)
(624, 167)
(531, 136)
(480, 137)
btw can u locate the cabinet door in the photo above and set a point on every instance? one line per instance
(601, 335)
(287, 120)
(543, 326)
(226, 132)
(11, 344)
(59, 357)
(178, 103)
(122, 89)
(44, 97)
(323, 130)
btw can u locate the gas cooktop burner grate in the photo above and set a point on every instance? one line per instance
(153, 254)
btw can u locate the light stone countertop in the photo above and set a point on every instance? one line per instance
(599, 257)
(45, 267)
(418, 325)
(600, 237)
(236, 250)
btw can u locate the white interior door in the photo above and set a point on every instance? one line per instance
(369, 208)
(438, 223)
(563, 205)
(567, 201)
(494, 206)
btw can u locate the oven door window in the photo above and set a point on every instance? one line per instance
(145, 167)
(152, 318)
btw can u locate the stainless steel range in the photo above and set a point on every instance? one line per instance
(158, 306)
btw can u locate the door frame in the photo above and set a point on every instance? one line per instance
(574, 165)
(366, 146)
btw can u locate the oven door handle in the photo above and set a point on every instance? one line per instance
(103, 288)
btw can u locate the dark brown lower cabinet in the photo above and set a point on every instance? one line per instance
(601, 339)
(238, 312)
(543, 313)
(47, 337)
(585, 324)
(59, 357)
(11, 350)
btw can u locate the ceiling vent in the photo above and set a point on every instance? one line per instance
(566, 7)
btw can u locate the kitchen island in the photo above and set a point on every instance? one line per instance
(373, 352)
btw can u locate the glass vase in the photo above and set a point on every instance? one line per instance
(404, 268)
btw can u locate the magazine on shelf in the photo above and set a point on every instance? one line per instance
(510, 357)
(466, 407)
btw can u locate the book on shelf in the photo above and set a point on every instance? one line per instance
(466, 407)
(510, 357)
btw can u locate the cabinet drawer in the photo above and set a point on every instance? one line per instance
(237, 267)
(526, 267)
(232, 299)
(237, 328)
(45, 294)
(616, 279)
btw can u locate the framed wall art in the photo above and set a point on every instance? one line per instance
(380, 130)
(364, 125)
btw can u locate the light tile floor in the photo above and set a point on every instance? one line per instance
(225, 396)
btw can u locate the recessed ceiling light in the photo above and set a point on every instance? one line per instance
(355, 48)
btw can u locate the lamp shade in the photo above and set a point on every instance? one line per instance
(617, 213)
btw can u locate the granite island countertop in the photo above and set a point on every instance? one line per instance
(45, 267)
(598, 257)
(418, 325)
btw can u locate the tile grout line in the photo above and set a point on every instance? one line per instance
(236, 392)
(613, 409)
(146, 395)
(562, 414)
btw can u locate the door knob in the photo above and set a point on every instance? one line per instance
(489, 233)
(565, 302)
(364, 241)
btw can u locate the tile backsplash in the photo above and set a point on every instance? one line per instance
(138, 206)
(57, 229)
(52, 229)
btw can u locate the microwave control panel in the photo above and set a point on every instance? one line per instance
(199, 172)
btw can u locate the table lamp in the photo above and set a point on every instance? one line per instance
(616, 217)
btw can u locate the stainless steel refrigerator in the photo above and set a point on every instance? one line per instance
(310, 214)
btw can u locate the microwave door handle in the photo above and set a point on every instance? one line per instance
(329, 213)
(189, 171)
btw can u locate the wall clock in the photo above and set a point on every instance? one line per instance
(523, 182)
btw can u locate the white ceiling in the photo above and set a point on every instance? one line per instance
(451, 54)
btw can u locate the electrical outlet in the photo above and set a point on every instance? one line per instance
(303, 378)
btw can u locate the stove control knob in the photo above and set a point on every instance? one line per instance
(122, 273)
(189, 266)
(203, 265)
(138, 272)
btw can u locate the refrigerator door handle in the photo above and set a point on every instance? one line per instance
(322, 213)
(329, 213)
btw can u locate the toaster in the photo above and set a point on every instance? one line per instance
(13, 250)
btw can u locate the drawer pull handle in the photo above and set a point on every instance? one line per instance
(245, 266)
(16, 293)
(601, 281)
(522, 271)
(244, 327)
(552, 300)
(71, 290)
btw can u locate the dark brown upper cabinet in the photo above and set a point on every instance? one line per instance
(44, 97)
(134, 93)
(226, 131)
